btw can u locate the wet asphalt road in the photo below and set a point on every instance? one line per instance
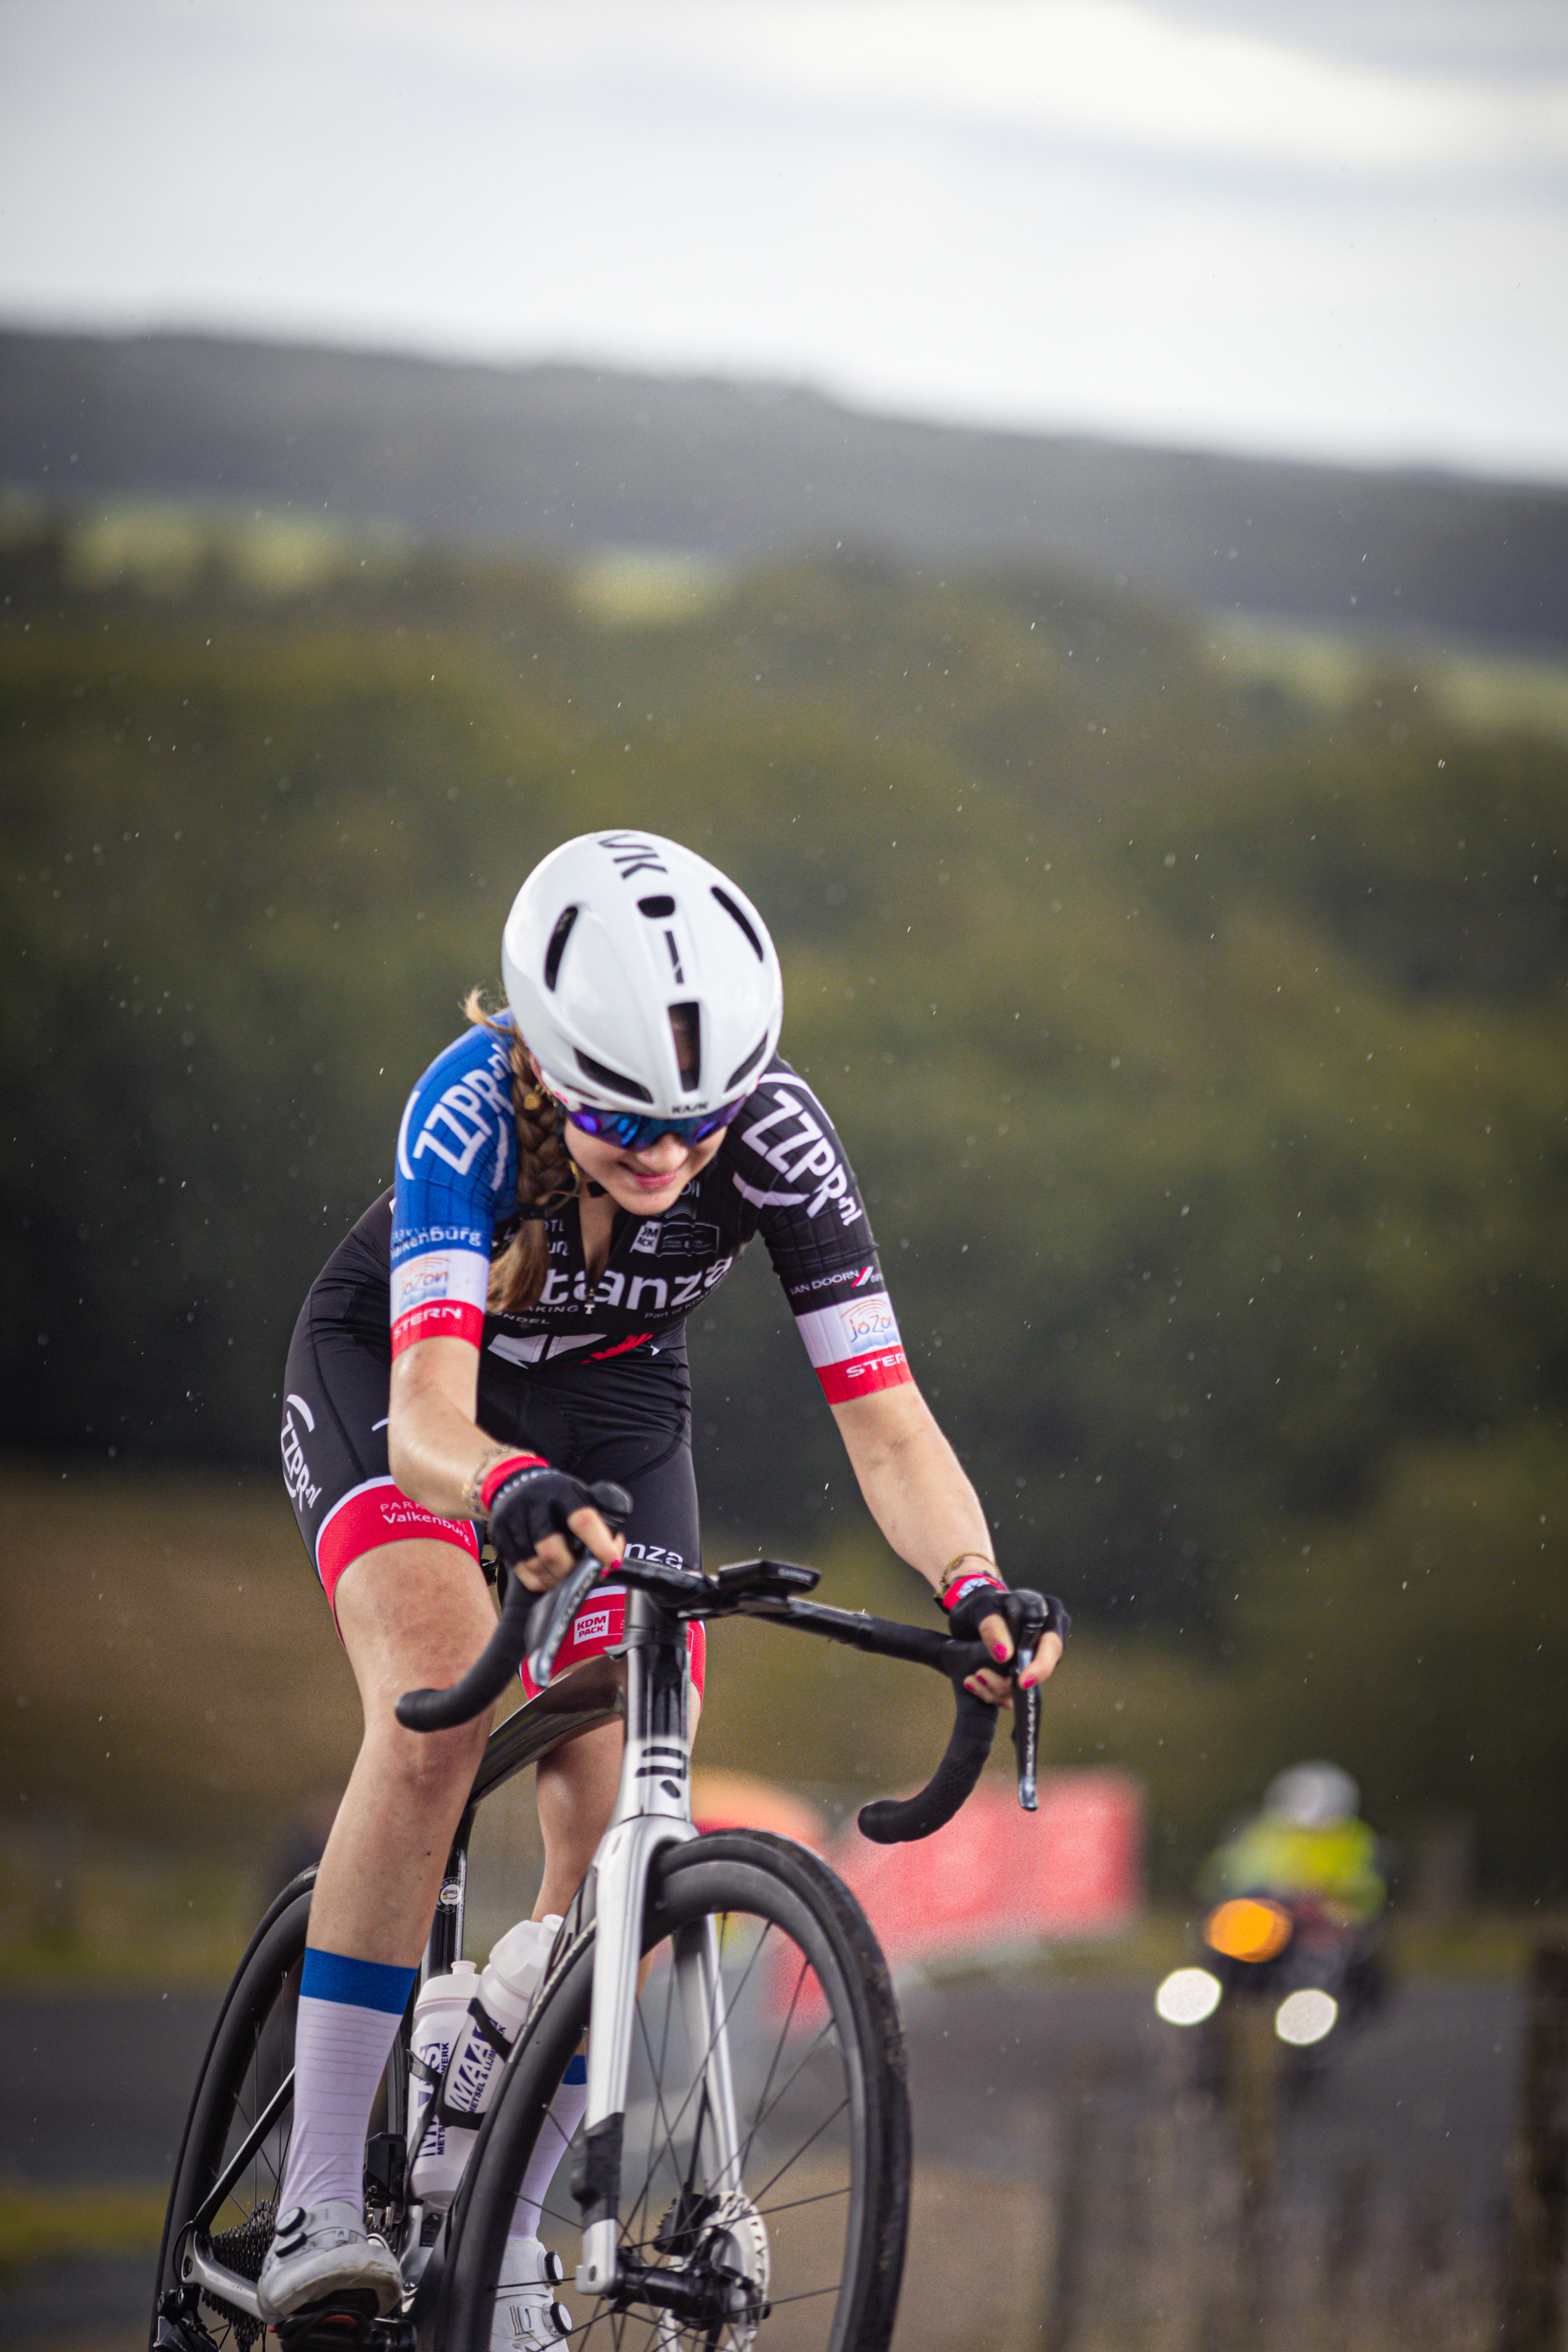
(94, 2089)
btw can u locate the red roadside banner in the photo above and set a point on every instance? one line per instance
(997, 1875)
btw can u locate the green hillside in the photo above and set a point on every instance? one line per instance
(1198, 1031)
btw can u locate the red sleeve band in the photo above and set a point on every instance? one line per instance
(498, 1474)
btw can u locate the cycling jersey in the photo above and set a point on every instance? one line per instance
(781, 1172)
(594, 1380)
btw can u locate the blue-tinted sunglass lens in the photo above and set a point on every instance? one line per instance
(633, 1133)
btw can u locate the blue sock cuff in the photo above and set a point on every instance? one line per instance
(361, 1984)
(576, 2069)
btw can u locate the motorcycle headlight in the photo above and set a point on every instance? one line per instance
(1187, 1996)
(1304, 2017)
(1248, 1928)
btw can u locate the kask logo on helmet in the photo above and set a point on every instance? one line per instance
(631, 855)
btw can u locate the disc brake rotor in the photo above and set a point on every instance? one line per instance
(725, 2239)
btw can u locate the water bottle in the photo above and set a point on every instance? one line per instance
(447, 2036)
(505, 1993)
(441, 2015)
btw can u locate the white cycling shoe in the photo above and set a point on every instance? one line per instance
(527, 2317)
(323, 2251)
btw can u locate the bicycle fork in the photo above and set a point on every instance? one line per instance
(653, 1809)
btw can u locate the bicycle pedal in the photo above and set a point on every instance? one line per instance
(343, 2320)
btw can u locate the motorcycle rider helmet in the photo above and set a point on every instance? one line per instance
(1313, 1796)
(641, 978)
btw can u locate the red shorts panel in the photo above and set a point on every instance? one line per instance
(379, 1512)
(600, 1624)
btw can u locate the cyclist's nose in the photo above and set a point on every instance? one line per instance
(662, 1156)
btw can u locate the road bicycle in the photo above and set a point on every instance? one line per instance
(744, 2168)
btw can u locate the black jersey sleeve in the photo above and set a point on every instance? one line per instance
(792, 1171)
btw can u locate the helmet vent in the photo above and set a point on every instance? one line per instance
(731, 908)
(557, 948)
(611, 1080)
(744, 1069)
(655, 910)
(686, 1028)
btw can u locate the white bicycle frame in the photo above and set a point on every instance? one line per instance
(652, 1810)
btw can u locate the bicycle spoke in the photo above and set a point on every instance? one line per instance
(842, 2109)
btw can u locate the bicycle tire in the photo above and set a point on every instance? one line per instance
(846, 2209)
(250, 2051)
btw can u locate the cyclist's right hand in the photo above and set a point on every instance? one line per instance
(530, 1508)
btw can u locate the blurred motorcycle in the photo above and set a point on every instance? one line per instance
(1296, 1934)
(1309, 1960)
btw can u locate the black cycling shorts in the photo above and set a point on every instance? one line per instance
(627, 1418)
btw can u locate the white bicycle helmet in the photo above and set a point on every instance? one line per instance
(1313, 1796)
(641, 978)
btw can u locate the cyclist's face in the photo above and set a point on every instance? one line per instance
(644, 1182)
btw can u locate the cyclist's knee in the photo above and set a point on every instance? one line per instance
(424, 1762)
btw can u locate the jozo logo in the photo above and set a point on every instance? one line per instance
(869, 1321)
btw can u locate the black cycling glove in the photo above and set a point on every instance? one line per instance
(975, 1594)
(525, 1500)
(981, 1592)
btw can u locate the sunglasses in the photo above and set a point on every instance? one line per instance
(632, 1133)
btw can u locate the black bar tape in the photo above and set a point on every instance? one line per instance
(442, 1710)
(892, 1821)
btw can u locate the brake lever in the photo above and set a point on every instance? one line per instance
(550, 1617)
(1037, 1615)
(1027, 1735)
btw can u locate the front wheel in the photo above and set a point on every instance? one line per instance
(795, 2241)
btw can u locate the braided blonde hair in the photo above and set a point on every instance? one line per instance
(545, 1173)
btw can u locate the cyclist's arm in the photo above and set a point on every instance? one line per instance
(435, 1447)
(916, 1490)
(433, 1439)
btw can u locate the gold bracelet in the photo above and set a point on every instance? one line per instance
(957, 1562)
(474, 1483)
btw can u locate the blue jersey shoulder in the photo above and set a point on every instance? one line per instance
(457, 1148)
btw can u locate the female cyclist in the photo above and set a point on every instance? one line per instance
(504, 1326)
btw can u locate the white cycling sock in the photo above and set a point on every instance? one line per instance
(566, 2110)
(349, 2011)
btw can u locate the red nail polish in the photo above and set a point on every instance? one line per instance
(999, 1649)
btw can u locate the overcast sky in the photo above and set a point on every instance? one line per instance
(1325, 228)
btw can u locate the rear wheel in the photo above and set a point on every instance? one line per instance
(801, 2251)
(242, 2109)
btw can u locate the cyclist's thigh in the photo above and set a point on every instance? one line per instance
(412, 1615)
(335, 1465)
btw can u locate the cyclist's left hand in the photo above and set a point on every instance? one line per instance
(997, 1689)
